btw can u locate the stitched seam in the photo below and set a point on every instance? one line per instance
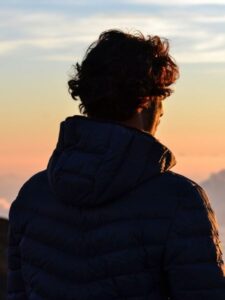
(187, 264)
(68, 280)
(43, 213)
(89, 256)
(16, 292)
(193, 290)
(192, 236)
(115, 298)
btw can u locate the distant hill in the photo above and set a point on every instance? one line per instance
(3, 257)
(10, 185)
(215, 188)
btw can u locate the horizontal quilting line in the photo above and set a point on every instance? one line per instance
(191, 264)
(193, 235)
(191, 208)
(116, 298)
(99, 226)
(84, 150)
(13, 247)
(97, 229)
(14, 270)
(39, 294)
(59, 220)
(79, 173)
(122, 220)
(61, 276)
(16, 292)
(205, 289)
(93, 256)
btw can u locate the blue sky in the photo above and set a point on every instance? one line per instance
(60, 30)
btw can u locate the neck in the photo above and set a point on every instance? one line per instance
(137, 122)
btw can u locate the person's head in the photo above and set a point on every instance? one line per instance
(124, 77)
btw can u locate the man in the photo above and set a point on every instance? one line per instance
(108, 219)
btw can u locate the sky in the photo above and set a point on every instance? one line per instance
(40, 41)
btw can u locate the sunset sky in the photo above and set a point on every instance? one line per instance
(41, 40)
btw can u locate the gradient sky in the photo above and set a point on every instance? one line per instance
(41, 40)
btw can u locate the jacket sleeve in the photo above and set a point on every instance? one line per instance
(15, 283)
(193, 262)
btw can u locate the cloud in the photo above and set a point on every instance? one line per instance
(59, 57)
(215, 43)
(4, 204)
(10, 185)
(215, 187)
(210, 19)
(176, 2)
(60, 36)
(151, 2)
(201, 57)
(8, 46)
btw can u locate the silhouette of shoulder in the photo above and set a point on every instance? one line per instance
(28, 194)
(187, 188)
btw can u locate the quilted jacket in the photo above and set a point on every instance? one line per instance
(108, 219)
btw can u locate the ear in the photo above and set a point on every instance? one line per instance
(139, 109)
(143, 105)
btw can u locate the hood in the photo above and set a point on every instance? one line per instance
(96, 161)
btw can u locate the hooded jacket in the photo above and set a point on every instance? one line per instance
(108, 219)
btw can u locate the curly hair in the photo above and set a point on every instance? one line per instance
(121, 71)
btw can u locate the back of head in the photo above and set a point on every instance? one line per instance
(120, 72)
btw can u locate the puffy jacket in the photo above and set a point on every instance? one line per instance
(108, 219)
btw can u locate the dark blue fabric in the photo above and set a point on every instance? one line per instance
(108, 219)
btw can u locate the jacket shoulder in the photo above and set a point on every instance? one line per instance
(187, 189)
(30, 189)
(183, 181)
(35, 183)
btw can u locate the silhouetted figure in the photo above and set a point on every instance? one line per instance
(108, 219)
(3, 257)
